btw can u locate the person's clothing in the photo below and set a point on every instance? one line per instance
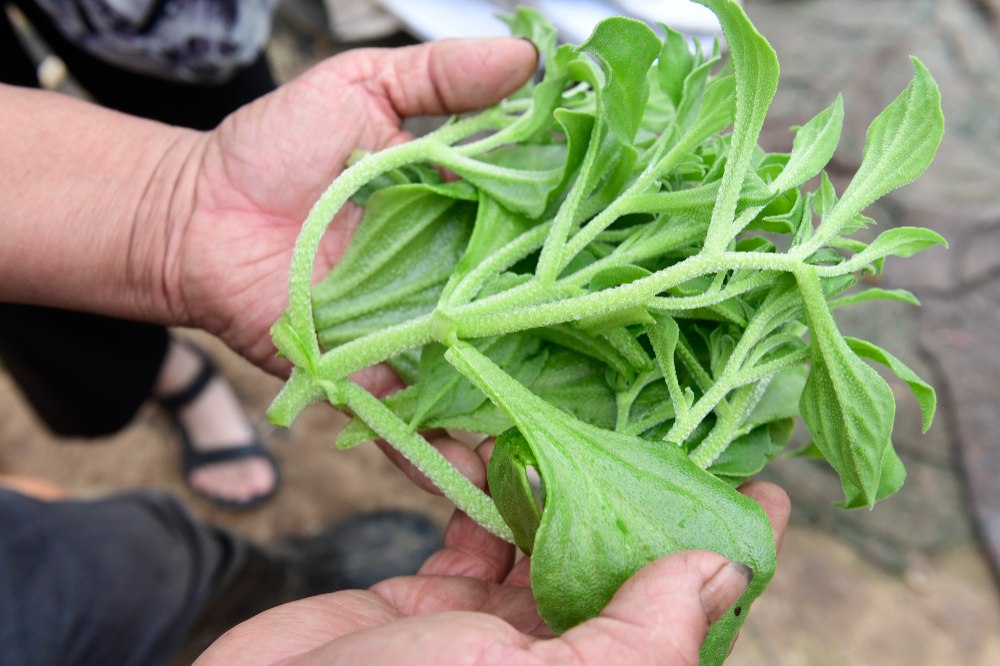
(16, 67)
(85, 375)
(174, 102)
(127, 580)
(196, 41)
(117, 581)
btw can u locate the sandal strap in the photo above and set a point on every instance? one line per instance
(189, 393)
(194, 459)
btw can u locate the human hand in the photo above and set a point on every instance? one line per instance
(471, 604)
(258, 174)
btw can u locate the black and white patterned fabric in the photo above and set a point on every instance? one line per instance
(197, 41)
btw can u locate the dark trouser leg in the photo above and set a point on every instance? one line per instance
(88, 375)
(84, 374)
(116, 581)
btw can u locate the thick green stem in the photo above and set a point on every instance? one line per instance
(703, 407)
(497, 262)
(711, 447)
(493, 317)
(625, 399)
(335, 196)
(424, 457)
(493, 118)
(509, 134)
(731, 378)
(319, 218)
(772, 368)
(674, 303)
(550, 261)
(299, 392)
(375, 348)
(503, 314)
(730, 427)
(615, 210)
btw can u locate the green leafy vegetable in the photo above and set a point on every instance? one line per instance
(596, 292)
(575, 573)
(626, 48)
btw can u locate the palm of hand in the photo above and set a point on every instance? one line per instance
(467, 598)
(261, 170)
(471, 604)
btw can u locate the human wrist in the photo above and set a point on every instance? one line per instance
(90, 195)
(159, 229)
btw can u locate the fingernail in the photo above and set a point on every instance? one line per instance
(533, 45)
(724, 589)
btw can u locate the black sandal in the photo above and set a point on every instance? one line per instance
(193, 459)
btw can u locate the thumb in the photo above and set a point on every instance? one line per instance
(450, 75)
(662, 614)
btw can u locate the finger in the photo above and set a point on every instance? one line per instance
(470, 550)
(438, 638)
(380, 380)
(422, 595)
(659, 616)
(450, 75)
(461, 456)
(298, 627)
(520, 575)
(485, 450)
(775, 503)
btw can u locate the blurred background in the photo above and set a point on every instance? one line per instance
(912, 582)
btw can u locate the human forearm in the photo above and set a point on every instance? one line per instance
(92, 200)
(127, 217)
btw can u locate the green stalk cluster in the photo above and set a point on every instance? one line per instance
(604, 290)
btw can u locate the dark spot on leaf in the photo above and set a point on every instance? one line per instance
(737, 611)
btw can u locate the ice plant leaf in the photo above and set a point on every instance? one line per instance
(748, 454)
(590, 282)
(675, 62)
(781, 398)
(900, 145)
(718, 107)
(813, 147)
(849, 409)
(380, 239)
(756, 69)
(893, 476)
(521, 190)
(626, 49)
(901, 242)
(663, 336)
(874, 294)
(923, 391)
(636, 483)
(511, 489)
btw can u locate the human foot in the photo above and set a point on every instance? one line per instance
(224, 459)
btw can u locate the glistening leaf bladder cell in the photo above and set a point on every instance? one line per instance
(603, 291)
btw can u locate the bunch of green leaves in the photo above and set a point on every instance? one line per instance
(603, 289)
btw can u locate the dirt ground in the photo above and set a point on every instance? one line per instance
(320, 484)
(827, 605)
